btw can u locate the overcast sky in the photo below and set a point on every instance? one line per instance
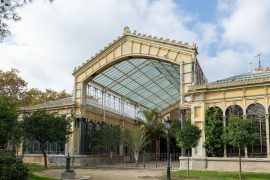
(51, 39)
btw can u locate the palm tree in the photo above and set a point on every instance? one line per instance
(153, 127)
(135, 140)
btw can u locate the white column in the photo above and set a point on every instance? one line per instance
(225, 147)
(267, 134)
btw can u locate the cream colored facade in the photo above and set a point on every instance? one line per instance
(195, 94)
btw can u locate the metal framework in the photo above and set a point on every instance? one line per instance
(149, 83)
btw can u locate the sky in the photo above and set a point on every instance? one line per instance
(53, 38)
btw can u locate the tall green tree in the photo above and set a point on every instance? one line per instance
(45, 128)
(153, 128)
(214, 129)
(8, 118)
(35, 96)
(239, 133)
(12, 85)
(17, 136)
(136, 139)
(188, 137)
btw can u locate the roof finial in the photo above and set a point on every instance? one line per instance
(259, 59)
(126, 30)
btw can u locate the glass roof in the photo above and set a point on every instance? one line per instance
(150, 83)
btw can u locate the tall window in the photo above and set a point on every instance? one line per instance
(256, 113)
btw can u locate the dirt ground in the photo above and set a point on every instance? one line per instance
(110, 174)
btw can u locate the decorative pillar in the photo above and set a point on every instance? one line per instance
(224, 126)
(267, 134)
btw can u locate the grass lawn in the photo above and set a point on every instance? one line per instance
(37, 168)
(208, 175)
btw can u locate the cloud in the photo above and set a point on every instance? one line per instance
(52, 39)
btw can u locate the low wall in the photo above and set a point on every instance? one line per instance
(76, 160)
(226, 164)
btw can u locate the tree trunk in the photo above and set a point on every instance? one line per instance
(188, 164)
(17, 151)
(136, 156)
(44, 155)
(240, 169)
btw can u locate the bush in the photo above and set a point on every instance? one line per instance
(12, 168)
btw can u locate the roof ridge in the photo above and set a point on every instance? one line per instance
(127, 32)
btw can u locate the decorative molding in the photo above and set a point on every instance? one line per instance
(127, 32)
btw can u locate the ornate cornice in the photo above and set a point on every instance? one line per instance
(238, 83)
(127, 32)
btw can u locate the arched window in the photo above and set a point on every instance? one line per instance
(256, 113)
(233, 110)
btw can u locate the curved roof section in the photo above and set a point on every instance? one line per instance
(150, 83)
(244, 76)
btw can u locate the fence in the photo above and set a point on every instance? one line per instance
(146, 160)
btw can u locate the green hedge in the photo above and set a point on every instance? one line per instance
(12, 168)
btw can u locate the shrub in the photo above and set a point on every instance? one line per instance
(12, 168)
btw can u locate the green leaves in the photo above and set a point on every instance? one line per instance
(46, 127)
(213, 132)
(135, 139)
(240, 132)
(188, 137)
(8, 118)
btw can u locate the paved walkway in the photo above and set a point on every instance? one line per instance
(110, 174)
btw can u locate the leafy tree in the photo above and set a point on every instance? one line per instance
(188, 137)
(107, 139)
(239, 133)
(154, 129)
(17, 135)
(213, 132)
(35, 96)
(136, 140)
(174, 127)
(12, 85)
(8, 117)
(46, 127)
(8, 12)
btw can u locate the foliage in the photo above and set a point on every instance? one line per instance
(107, 138)
(35, 96)
(206, 175)
(46, 127)
(213, 132)
(136, 140)
(8, 12)
(12, 85)
(8, 117)
(175, 127)
(12, 168)
(188, 137)
(240, 132)
(153, 128)
(17, 135)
